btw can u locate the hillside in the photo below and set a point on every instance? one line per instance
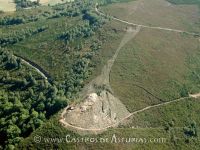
(100, 75)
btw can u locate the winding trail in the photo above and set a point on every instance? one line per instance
(197, 95)
(35, 66)
(105, 80)
(97, 130)
(143, 26)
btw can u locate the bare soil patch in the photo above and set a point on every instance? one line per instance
(99, 108)
(7, 5)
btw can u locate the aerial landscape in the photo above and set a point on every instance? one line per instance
(100, 74)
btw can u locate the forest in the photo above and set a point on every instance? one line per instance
(19, 35)
(27, 100)
(27, 3)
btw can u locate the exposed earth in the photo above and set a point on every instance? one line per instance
(99, 108)
(7, 5)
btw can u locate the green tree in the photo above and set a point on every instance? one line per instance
(13, 131)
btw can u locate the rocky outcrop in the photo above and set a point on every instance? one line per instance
(96, 111)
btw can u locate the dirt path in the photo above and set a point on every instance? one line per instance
(38, 69)
(7, 5)
(197, 95)
(62, 120)
(143, 26)
(102, 81)
(103, 78)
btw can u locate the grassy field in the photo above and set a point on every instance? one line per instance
(157, 13)
(179, 114)
(7, 5)
(155, 62)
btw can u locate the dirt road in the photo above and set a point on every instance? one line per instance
(143, 26)
(96, 130)
(103, 78)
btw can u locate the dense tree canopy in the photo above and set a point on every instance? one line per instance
(26, 101)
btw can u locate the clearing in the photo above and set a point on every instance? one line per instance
(156, 13)
(53, 2)
(7, 5)
(99, 108)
